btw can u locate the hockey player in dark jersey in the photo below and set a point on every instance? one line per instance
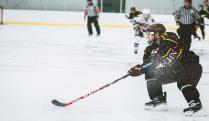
(206, 4)
(203, 14)
(165, 62)
(133, 13)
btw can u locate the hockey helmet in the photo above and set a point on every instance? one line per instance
(146, 11)
(189, 1)
(160, 28)
(133, 9)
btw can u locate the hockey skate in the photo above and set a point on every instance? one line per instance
(158, 104)
(195, 109)
(197, 37)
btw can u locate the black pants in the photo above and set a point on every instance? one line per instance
(185, 32)
(202, 28)
(194, 33)
(186, 76)
(96, 24)
(138, 32)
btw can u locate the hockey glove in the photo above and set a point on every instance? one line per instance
(135, 71)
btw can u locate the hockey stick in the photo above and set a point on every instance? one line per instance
(205, 24)
(60, 104)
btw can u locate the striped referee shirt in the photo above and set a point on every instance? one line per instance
(91, 10)
(186, 15)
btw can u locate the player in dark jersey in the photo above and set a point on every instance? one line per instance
(165, 62)
(206, 4)
(133, 13)
(203, 14)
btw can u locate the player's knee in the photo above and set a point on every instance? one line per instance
(154, 84)
(182, 85)
(154, 87)
(89, 25)
(96, 24)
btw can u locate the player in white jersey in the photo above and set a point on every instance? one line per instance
(140, 24)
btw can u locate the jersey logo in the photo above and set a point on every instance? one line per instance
(171, 57)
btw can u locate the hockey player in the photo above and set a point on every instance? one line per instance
(92, 12)
(133, 13)
(202, 14)
(140, 24)
(206, 3)
(165, 61)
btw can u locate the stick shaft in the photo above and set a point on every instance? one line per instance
(101, 88)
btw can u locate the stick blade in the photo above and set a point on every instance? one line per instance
(57, 103)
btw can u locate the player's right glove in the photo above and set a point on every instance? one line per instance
(135, 71)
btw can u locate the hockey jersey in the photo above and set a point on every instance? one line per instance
(170, 52)
(140, 20)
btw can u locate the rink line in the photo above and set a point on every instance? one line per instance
(71, 25)
(63, 24)
(171, 28)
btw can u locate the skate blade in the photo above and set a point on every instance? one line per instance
(161, 107)
(200, 113)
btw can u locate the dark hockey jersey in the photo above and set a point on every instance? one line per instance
(133, 15)
(170, 52)
(203, 14)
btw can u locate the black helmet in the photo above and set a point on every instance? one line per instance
(133, 9)
(190, 1)
(201, 6)
(160, 28)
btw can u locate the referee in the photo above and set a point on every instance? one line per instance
(92, 11)
(186, 18)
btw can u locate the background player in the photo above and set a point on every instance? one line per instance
(202, 14)
(133, 13)
(140, 24)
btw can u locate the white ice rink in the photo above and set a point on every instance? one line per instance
(41, 63)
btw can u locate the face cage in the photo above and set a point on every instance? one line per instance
(146, 16)
(150, 37)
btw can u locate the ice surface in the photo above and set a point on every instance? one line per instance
(38, 64)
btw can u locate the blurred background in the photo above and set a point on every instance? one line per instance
(157, 6)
